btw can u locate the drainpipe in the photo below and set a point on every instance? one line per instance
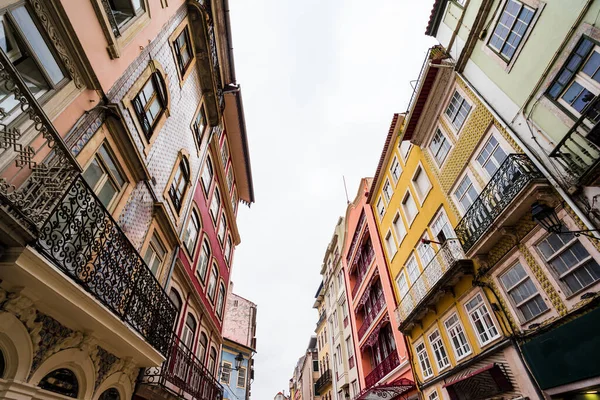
(533, 158)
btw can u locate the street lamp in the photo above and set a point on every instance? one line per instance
(238, 361)
(546, 216)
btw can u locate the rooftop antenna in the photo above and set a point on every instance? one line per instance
(346, 190)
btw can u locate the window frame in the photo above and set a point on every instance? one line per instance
(501, 144)
(447, 140)
(380, 208)
(226, 369)
(440, 342)
(421, 360)
(474, 185)
(403, 202)
(240, 375)
(391, 248)
(404, 153)
(183, 175)
(482, 305)
(498, 52)
(456, 90)
(399, 235)
(204, 240)
(220, 307)
(387, 191)
(469, 349)
(420, 169)
(153, 233)
(214, 272)
(183, 70)
(158, 81)
(194, 212)
(395, 166)
(210, 167)
(516, 307)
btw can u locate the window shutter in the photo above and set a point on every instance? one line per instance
(139, 110)
(161, 89)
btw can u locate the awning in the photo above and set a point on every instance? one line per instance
(480, 384)
(388, 391)
(375, 334)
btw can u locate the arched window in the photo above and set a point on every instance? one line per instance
(110, 394)
(202, 267)
(212, 362)
(190, 236)
(215, 205)
(189, 331)
(176, 299)
(62, 381)
(227, 250)
(180, 183)
(201, 351)
(220, 300)
(150, 103)
(207, 175)
(2, 364)
(212, 283)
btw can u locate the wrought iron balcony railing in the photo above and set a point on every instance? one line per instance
(323, 380)
(362, 263)
(449, 254)
(385, 367)
(371, 315)
(322, 318)
(183, 374)
(43, 192)
(515, 173)
(579, 151)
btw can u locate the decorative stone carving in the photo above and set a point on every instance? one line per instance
(42, 13)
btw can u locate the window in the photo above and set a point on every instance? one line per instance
(434, 395)
(405, 147)
(458, 109)
(421, 183)
(395, 170)
(316, 365)
(439, 351)
(387, 191)
(212, 361)
(510, 29)
(380, 208)
(241, 381)
(190, 236)
(390, 244)
(207, 175)
(335, 319)
(150, 103)
(412, 269)
(402, 284)
(110, 394)
(224, 154)
(228, 250)
(409, 207)
(349, 347)
(155, 254)
(570, 261)
(457, 337)
(212, 283)
(124, 11)
(399, 228)
(199, 127)
(339, 351)
(426, 253)
(481, 320)
(439, 147)
(28, 50)
(189, 331)
(180, 183)
(424, 360)
(465, 193)
(220, 300)
(183, 51)
(215, 205)
(355, 387)
(441, 228)
(201, 350)
(226, 373)
(461, 3)
(581, 68)
(62, 381)
(230, 181)
(523, 293)
(176, 299)
(202, 266)
(491, 156)
(104, 176)
(222, 229)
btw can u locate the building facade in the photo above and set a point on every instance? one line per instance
(306, 373)
(323, 384)
(531, 62)
(110, 113)
(239, 347)
(381, 354)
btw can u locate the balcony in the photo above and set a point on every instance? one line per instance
(503, 201)
(579, 151)
(45, 203)
(181, 374)
(322, 319)
(362, 262)
(371, 315)
(448, 264)
(323, 381)
(381, 370)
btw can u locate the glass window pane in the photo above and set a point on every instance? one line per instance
(107, 193)
(37, 43)
(93, 173)
(108, 160)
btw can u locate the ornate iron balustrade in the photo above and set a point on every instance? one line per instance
(384, 368)
(36, 168)
(371, 316)
(435, 53)
(322, 318)
(448, 255)
(323, 380)
(184, 374)
(83, 240)
(515, 173)
(362, 264)
(357, 235)
(579, 151)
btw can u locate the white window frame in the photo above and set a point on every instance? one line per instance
(226, 369)
(433, 395)
(438, 217)
(241, 374)
(466, 346)
(502, 143)
(524, 36)
(398, 221)
(438, 344)
(401, 277)
(427, 248)
(582, 79)
(390, 244)
(404, 152)
(387, 190)
(466, 99)
(474, 184)
(420, 170)
(423, 358)
(479, 311)
(395, 166)
(380, 208)
(507, 290)
(403, 205)
(434, 155)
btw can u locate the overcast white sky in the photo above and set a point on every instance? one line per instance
(321, 80)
